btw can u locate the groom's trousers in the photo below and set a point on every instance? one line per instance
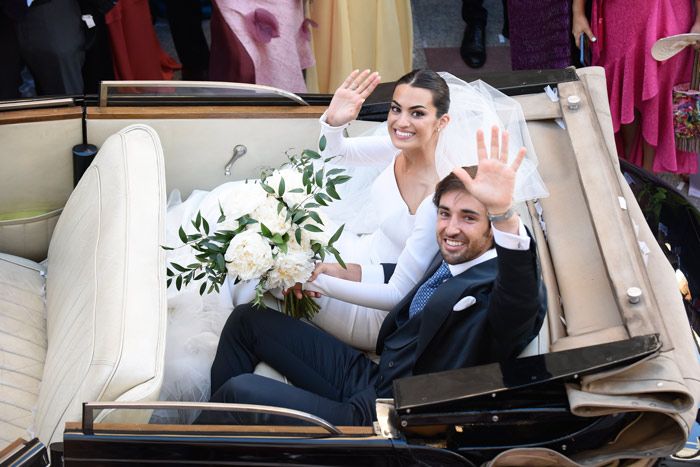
(330, 379)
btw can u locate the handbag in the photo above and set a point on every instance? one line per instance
(686, 111)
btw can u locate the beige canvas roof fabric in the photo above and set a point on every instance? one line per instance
(593, 227)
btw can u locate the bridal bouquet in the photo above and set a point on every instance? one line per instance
(269, 230)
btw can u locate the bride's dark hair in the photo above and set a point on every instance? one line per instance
(428, 79)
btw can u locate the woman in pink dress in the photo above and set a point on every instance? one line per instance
(621, 34)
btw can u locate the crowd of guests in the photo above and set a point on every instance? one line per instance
(69, 46)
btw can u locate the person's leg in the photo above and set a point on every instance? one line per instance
(473, 12)
(51, 41)
(259, 390)
(307, 356)
(10, 71)
(185, 19)
(473, 49)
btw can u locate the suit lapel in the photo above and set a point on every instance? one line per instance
(440, 304)
(389, 324)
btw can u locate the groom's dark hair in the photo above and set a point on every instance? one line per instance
(452, 183)
(428, 79)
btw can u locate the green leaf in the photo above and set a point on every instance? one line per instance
(310, 154)
(301, 219)
(322, 143)
(178, 282)
(319, 199)
(220, 262)
(222, 216)
(280, 206)
(267, 188)
(198, 220)
(205, 225)
(277, 239)
(314, 215)
(193, 266)
(283, 248)
(280, 189)
(341, 179)
(336, 235)
(200, 276)
(296, 190)
(307, 174)
(312, 228)
(167, 247)
(178, 267)
(168, 282)
(169, 272)
(265, 231)
(202, 288)
(182, 234)
(319, 178)
(297, 236)
(334, 172)
(311, 205)
(330, 188)
(339, 259)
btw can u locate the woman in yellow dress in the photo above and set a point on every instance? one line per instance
(359, 34)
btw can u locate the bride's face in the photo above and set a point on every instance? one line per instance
(412, 119)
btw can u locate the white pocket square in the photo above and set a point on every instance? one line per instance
(464, 303)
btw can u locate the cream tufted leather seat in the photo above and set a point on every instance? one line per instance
(100, 333)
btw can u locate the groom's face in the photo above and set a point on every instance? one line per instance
(463, 229)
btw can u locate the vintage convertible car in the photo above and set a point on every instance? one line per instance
(613, 376)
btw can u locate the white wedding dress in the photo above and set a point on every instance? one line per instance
(379, 229)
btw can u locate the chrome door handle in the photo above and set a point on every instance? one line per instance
(238, 151)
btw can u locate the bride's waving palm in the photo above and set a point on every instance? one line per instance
(349, 97)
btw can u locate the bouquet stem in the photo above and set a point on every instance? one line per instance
(304, 307)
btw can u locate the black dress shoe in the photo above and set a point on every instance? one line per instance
(473, 48)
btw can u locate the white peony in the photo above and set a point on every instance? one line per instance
(290, 268)
(293, 180)
(248, 256)
(266, 213)
(243, 199)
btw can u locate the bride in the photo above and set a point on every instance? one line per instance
(430, 128)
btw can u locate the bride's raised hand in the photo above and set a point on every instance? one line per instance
(494, 183)
(349, 97)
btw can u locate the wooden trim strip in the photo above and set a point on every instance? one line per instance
(195, 112)
(40, 115)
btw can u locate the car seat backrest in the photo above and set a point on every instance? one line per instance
(106, 307)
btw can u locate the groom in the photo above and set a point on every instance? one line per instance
(482, 301)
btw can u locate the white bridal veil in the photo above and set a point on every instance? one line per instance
(479, 106)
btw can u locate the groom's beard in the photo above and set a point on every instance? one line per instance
(472, 248)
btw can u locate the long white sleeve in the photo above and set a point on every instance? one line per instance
(421, 248)
(357, 151)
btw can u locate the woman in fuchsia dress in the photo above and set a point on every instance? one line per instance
(621, 34)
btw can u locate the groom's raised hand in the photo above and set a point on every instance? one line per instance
(494, 183)
(349, 97)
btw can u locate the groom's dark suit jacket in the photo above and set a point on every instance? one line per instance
(508, 313)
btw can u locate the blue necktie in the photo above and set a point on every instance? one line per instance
(426, 290)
